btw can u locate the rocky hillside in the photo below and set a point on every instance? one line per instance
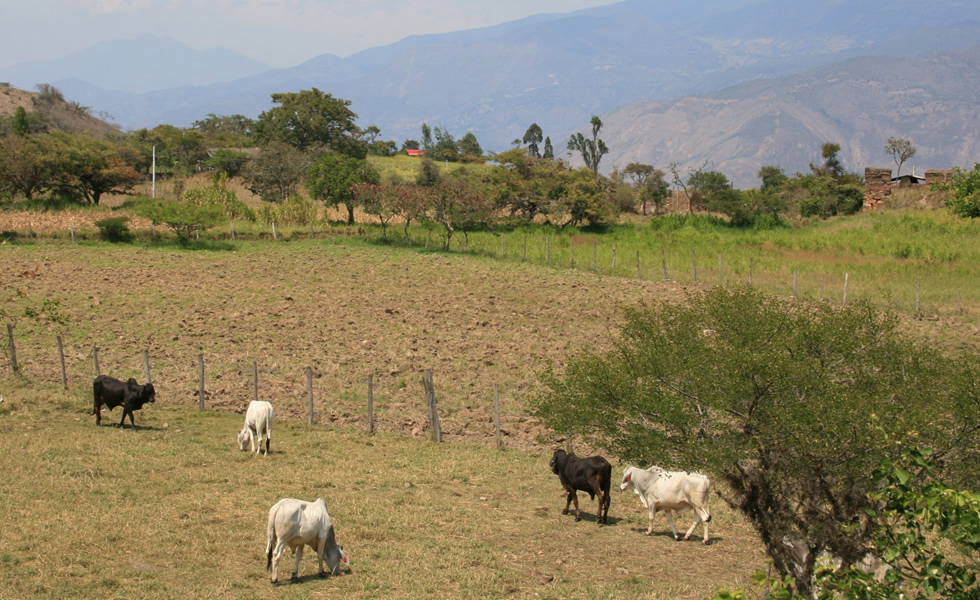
(59, 114)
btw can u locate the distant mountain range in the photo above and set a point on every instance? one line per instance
(738, 83)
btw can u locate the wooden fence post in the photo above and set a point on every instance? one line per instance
(613, 267)
(795, 281)
(95, 357)
(750, 270)
(274, 237)
(496, 416)
(663, 260)
(309, 395)
(846, 277)
(200, 374)
(918, 306)
(593, 254)
(146, 365)
(13, 350)
(255, 381)
(571, 251)
(721, 278)
(61, 357)
(694, 261)
(433, 403)
(371, 404)
(547, 249)
(638, 264)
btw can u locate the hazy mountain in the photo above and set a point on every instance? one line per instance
(858, 104)
(137, 65)
(560, 69)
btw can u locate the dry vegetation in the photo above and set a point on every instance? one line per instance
(175, 510)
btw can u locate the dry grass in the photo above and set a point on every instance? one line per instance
(175, 510)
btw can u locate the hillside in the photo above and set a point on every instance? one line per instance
(59, 114)
(858, 104)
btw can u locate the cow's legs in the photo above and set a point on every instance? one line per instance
(653, 513)
(697, 519)
(670, 521)
(568, 500)
(299, 557)
(268, 440)
(603, 501)
(258, 443)
(321, 546)
(276, 555)
(578, 515)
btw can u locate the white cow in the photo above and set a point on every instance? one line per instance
(670, 491)
(258, 421)
(297, 523)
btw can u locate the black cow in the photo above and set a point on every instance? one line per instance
(128, 394)
(591, 475)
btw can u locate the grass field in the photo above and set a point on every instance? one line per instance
(175, 510)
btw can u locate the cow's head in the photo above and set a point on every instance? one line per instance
(243, 438)
(557, 460)
(148, 394)
(627, 478)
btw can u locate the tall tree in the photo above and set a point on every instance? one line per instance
(469, 146)
(26, 165)
(332, 179)
(532, 137)
(549, 150)
(87, 168)
(426, 137)
(276, 172)
(311, 119)
(792, 405)
(901, 150)
(831, 162)
(650, 183)
(592, 150)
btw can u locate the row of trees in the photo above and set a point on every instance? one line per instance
(526, 183)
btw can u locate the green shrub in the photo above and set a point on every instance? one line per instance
(114, 229)
(965, 198)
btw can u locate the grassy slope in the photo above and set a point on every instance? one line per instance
(175, 510)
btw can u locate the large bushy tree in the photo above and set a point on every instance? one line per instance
(311, 119)
(276, 172)
(791, 405)
(332, 179)
(86, 168)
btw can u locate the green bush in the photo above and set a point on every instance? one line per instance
(114, 229)
(964, 201)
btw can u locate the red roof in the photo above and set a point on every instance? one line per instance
(415, 152)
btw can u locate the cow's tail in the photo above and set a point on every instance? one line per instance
(271, 545)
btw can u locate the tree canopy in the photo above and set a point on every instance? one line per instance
(332, 179)
(310, 119)
(792, 405)
(592, 150)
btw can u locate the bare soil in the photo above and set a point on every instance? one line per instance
(345, 311)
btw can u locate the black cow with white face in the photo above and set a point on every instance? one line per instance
(129, 394)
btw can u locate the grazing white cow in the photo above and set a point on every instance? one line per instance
(670, 491)
(297, 523)
(258, 421)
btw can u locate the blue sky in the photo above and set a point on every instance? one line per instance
(282, 33)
